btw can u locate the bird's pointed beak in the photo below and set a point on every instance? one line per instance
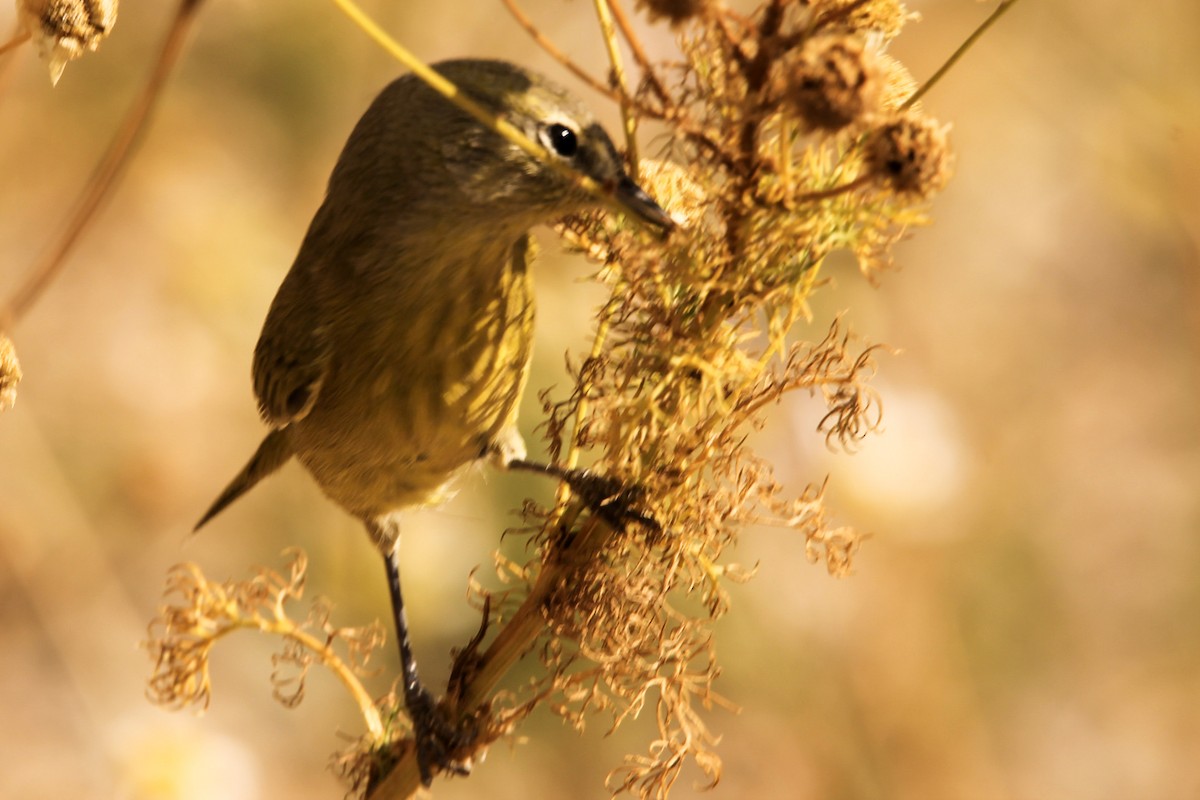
(631, 198)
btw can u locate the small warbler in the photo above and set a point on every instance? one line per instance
(397, 348)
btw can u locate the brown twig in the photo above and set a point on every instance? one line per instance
(639, 52)
(19, 38)
(558, 55)
(511, 643)
(734, 40)
(825, 194)
(629, 120)
(104, 179)
(959, 53)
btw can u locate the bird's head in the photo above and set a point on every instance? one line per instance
(491, 175)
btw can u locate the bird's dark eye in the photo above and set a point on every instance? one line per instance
(562, 140)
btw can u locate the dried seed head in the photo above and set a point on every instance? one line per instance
(65, 29)
(834, 81)
(898, 85)
(675, 11)
(884, 18)
(10, 373)
(683, 198)
(911, 154)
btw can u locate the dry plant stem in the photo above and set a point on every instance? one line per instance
(7, 63)
(628, 120)
(734, 38)
(1004, 6)
(639, 52)
(563, 496)
(785, 156)
(755, 70)
(558, 55)
(825, 194)
(108, 171)
(581, 408)
(17, 40)
(512, 642)
(213, 611)
(282, 626)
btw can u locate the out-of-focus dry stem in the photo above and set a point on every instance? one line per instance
(734, 39)
(18, 39)
(825, 194)
(639, 52)
(785, 156)
(628, 118)
(512, 642)
(108, 171)
(343, 671)
(283, 627)
(557, 54)
(581, 409)
(1004, 6)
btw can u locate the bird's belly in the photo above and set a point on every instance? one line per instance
(413, 420)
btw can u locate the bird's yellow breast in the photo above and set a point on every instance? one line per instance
(444, 376)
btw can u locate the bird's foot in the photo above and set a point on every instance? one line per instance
(609, 498)
(435, 738)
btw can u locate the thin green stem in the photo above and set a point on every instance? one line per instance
(639, 52)
(628, 119)
(557, 54)
(959, 53)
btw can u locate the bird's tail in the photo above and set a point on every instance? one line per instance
(272, 454)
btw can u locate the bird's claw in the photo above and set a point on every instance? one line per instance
(610, 498)
(435, 739)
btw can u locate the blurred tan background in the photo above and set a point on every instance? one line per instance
(1024, 622)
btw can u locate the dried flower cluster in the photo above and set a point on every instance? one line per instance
(791, 135)
(910, 153)
(781, 127)
(833, 81)
(198, 613)
(64, 30)
(10, 373)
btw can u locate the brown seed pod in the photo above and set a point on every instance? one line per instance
(910, 153)
(833, 81)
(882, 17)
(65, 29)
(675, 11)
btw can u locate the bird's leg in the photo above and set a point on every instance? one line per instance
(607, 497)
(435, 739)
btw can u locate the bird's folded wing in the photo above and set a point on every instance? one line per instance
(292, 356)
